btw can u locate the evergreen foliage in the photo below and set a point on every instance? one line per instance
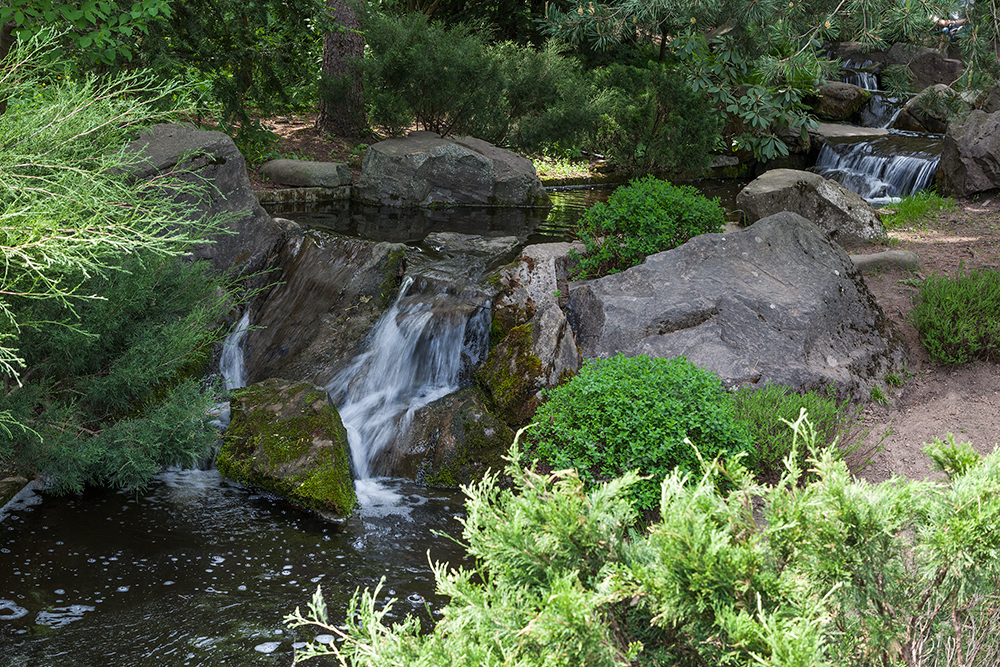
(652, 119)
(453, 81)
(830, 572)
(957, 317)
(102, 326)
(645, 217)
(628, 413)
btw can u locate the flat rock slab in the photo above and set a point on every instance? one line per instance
(778, 302)
(840, 131)
(427, 170)
(889, 259)
(307, 174)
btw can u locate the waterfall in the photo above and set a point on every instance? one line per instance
(858, 75)
(231, 367)
(882, 108)
(876, 170)
(417, 353)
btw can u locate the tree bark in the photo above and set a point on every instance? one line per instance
(7, 41)
(341, 99)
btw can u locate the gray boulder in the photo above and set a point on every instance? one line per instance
(928, 66)
(839, 101)
(211, 161)
(931, 110)
(307, 174)
(990, 102)
(287, 438)
(452, 441)
(777, 302)
(427, 170)
(330, 292)
(842, 214)
(539, 276)
(970, 157)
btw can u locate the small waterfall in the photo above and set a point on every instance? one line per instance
(859, 75)
(879, 170)
(231, 366)
(882, 108)
(418, 352)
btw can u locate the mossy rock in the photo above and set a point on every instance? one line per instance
(10, 487)
(286, 437)
(512, 374)
(450, 442)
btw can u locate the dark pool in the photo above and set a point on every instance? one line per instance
(199, 571)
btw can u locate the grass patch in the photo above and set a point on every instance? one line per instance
(552, 168)
(956, 317)
(915, 209)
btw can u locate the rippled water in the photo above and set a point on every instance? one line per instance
(198, 571)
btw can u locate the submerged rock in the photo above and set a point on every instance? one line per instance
(287, 438)
(425, 169)
(777, 302)
(452, 441)
(842, 214)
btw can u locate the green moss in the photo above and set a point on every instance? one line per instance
(485, 440)
(392, 269)
(275, 442)
(510, 375)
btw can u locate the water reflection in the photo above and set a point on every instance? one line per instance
(198, 571)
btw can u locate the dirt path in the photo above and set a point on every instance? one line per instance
(935, 400)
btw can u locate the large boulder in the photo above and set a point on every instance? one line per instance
(539, 276)
(450, 442)
(777, 303)
(287, 438)
(211, 161)
(930, 111)
(839, 101)
(970, 158)
(330, 292)
(928, 66)
(842, 214)
(425, 169)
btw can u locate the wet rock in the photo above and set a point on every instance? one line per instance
(330, 292)
(839, 101)
(427, 170)
(532, 357)
(287, 438)
(970, 158)
(471, 254)
(306, 173)
(931, 110)
(843, 214)
(201, 157)
(778, 302)
(452, 441)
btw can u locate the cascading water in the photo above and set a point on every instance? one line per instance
(418, 353)
(231, 367)
(883, 169)
(882, 107)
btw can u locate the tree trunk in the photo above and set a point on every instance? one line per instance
(341, 99)
(7, 41)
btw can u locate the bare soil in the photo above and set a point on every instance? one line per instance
(933, 401)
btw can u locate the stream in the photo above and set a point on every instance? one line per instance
(200, 571)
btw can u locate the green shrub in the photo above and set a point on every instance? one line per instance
(643, 218)
(957, 317)
(761, 410)
(653, 120)
(634, 413)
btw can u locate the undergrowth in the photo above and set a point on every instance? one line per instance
(956, 317)
(915, 209)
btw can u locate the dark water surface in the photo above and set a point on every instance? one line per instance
(198, 571)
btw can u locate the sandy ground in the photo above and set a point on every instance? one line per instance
(935, 400)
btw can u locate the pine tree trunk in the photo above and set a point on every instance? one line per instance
(342, 102)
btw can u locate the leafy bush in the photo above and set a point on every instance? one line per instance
(831, 572)
(634, 413)
(653, 120)
(763, 411)
(957, 317)
(916, 208)
(643, 218)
